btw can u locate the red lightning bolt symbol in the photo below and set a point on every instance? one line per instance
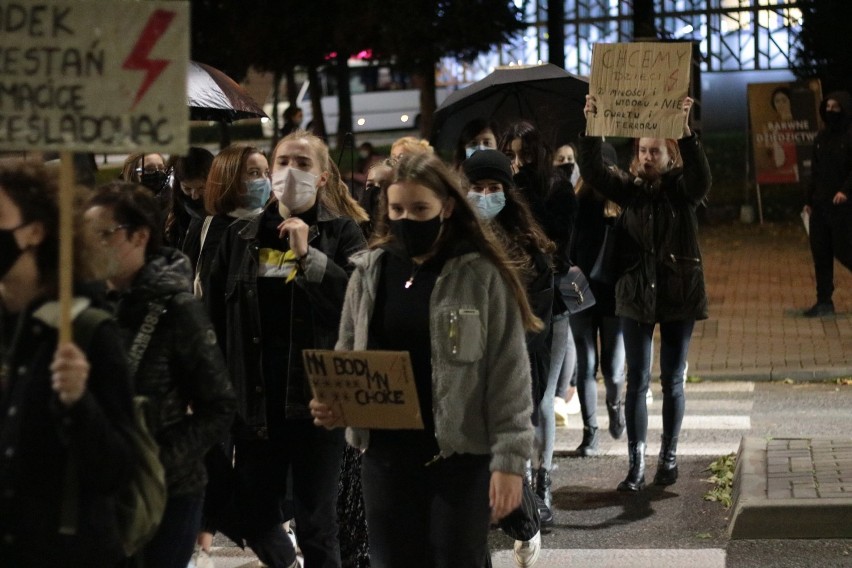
(157, 25)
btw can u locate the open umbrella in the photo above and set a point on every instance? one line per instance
(546, 95)
(212, 95)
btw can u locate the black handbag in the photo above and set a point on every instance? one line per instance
(605, 270)
(575, 290)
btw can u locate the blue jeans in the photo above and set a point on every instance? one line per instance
(563, 359)
(586, 326)
(174, 542)
(420, 516)
(674, 345)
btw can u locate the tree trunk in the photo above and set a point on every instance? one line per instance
(276, 98)
(643, 20)
(318, 121)
(428, 101)
(292, 91)
(344, 98)
(556, 33)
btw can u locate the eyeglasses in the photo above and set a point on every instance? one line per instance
(105, 234)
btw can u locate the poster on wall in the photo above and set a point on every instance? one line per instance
(784, 120)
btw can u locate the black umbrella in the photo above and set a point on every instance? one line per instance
(546, 95)
(212, 95)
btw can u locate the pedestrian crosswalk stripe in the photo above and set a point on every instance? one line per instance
(619, 448)
(620, 558)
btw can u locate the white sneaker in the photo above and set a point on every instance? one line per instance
(573, 404)
(201, 559)
(526, 551)
(560, 411)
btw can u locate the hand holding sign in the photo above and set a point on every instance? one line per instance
(365, 389)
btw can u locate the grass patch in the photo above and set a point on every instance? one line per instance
(722, 478)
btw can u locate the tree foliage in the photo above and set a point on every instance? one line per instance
(822, 50)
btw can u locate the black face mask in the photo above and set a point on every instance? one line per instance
(155, 181)
(567, 169)
(416, 236)
(9, 250)
(195, 207)
(833, 117)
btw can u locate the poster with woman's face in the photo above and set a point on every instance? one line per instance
(784, 123)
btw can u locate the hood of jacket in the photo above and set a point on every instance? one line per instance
(845, 100)
(167, 272)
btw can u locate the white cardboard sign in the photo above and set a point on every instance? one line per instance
(94, 75)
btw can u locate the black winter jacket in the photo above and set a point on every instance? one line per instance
(37, 436)
(832, 157)
(662, 275)
(181, 367)
(231, 296)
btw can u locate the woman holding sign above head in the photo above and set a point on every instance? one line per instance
(434, 285)
(276, 287)
(661, 276)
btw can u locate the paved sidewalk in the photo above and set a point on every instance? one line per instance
(793, 488)
(759, 280)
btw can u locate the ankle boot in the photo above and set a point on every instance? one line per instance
(667, 464)
(617, 421)
(545, 497)
(589, 445)
(635, 480)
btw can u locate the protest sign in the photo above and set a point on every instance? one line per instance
(366, 389)
(96, 76)
(639, 89)
(784, 123)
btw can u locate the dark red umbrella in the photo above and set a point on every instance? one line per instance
(212, 95)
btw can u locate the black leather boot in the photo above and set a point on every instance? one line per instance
(617, 421)
(667, 464)
(635, 480)
(589, 445)
(545, 497)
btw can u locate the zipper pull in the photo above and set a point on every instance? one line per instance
(454, 332)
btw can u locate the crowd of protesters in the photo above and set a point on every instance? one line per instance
(215, 272)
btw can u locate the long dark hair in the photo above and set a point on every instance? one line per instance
(537, 155)
(462, 226)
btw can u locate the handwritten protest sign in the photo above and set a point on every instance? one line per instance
(367, 389)
(96, 76)
(639, 89)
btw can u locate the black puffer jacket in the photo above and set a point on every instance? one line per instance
(231, 295)
(181, 366)
(662, 274)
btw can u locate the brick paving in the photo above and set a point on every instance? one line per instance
(759, 280)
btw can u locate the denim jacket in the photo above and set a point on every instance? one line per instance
(480, 370)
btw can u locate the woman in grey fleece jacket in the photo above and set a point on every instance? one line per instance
(435, 285)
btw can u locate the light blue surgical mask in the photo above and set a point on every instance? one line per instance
(487, 206)
(258, 192)
(468, 152)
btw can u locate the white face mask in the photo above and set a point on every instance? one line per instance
(468, 152)
(294, 188)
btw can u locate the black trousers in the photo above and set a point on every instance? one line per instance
(830, 237)
(314, 456)
(420, 516)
